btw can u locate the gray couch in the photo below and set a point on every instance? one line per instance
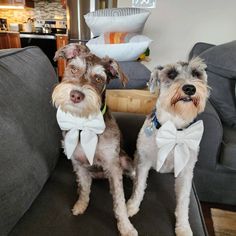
(215, 172)
(37, 184)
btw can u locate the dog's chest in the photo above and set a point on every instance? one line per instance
(147, 149)
(107, 147)
(100, 155)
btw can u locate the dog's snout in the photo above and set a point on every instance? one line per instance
(189, 89)
(76, 96)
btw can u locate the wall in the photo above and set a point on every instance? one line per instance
(42, 10)
(17, 15)
(176, 25)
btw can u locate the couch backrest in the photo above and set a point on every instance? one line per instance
(29, 135)
(221, 71)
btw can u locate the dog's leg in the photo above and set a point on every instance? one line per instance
(84, 181)
(142, 170)
(114, 174)
(183, 185)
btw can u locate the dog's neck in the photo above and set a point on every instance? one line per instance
(164, 116)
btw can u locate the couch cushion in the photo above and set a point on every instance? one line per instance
(51, 213)
(211, 140)
(29, 135)
(223, 97)
(137, 73)
(221, 70)
(228, 154)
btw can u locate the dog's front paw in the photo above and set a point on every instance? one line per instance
(79, 208)
(130, 231)
(132, 208)
(183, 231)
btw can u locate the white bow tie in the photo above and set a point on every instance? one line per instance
(169, 138)
(89, 127)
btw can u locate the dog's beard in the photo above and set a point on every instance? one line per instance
(174, 100)
(90, 105)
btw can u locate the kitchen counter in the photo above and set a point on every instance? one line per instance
(37, 35)
(62, 35)
(40, 35)
(34, 35)
(8, 32)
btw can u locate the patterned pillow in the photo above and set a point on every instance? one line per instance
(116, 12)
(116, 20)
(117, 37)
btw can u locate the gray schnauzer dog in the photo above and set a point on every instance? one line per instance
(80, 98)
(170, 137)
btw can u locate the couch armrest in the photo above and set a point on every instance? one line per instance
(29, 133)
(212, 138)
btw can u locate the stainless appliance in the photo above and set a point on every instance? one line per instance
(14, 27)
(50, 26)
(76, 9)
(3, 24)
(47, 42)
(44, 36)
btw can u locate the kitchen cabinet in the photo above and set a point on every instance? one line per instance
(3, 41)
(12, 2)
(18, 2)
(62, 40)
(63, 3)
(5, 2)
(14, 40)
(27, 3)
(9, 40)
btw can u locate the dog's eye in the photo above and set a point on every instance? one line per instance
(172, 74)
(98, 79)
(196, 73)
(74, 70)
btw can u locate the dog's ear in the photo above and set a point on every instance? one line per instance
(114, 71)
(154, 80)
(70, 51)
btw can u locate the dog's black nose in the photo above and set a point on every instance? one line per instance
(76, 96)
(189, 89)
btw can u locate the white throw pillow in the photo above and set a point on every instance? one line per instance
(116, 20)
(122, 51)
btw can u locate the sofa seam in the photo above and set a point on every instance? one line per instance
(200, 210)
(9, 52)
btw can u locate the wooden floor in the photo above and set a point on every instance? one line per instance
(206, 209)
